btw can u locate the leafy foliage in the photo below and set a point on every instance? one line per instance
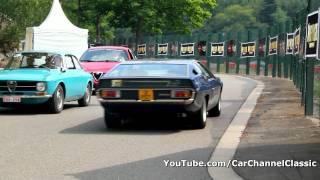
(157, 17)
(16, 16)
(243, 14)
(234, 17)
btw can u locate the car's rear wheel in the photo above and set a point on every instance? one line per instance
(112, 120)
(215, 111)
(56, 103)
(199, 119)
(85, 100)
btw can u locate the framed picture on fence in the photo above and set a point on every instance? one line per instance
(217, 49)
(187, 49)
(162, 49)
(248, 49)
(311, 41)
(142, 50)
(296, 41)
(290, 43)
(273, 45)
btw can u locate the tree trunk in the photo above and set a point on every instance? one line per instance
(98, 31)
(138, 33)
(79, 12)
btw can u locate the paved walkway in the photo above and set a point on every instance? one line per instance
(278, 130)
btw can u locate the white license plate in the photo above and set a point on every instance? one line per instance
(11, 99)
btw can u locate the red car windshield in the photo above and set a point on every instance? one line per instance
(104, 55)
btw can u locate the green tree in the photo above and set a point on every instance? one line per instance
(233, 17)
(93, 15)
(269, 7)
(16, 16)
(156, 17)
(291, 7)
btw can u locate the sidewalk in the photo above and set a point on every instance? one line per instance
(278, 130)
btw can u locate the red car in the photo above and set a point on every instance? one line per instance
(99, 60)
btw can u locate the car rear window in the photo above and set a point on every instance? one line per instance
(150, 70)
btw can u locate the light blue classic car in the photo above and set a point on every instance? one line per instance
(44, 78)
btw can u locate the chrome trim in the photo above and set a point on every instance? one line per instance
(19, 86)
(134, 89)
(159, 101)
(28, 96)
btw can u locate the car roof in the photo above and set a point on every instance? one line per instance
(41, 51)
(162, 61)
(109, 47)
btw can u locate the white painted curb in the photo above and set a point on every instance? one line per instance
(230, 140)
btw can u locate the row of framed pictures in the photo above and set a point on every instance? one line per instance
(293, 43)
(248, 49)
(187, 49)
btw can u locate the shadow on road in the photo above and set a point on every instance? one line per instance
(139, 125)
(154, 168)
(35, 109)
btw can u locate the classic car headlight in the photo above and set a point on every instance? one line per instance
(41, 86)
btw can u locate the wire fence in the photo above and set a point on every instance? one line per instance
(278, 52)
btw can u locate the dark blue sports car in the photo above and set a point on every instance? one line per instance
(183, 87)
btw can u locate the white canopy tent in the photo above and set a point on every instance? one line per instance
(57, 34)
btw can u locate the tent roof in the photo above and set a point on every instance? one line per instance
(57, 21)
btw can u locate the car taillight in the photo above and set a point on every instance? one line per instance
(110, 93)
(181, 93)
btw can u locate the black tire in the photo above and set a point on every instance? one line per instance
(85, 100)
(56, 103)
(199, 119)
(112, 121)
(215, 111)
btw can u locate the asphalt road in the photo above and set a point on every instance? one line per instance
(76, 145)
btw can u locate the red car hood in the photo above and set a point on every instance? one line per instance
(98, 66)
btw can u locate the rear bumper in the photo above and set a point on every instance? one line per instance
(134, 107)
(162, 101)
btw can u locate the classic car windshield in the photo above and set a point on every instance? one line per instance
(34, 60)
(104, 55)
(152, 70)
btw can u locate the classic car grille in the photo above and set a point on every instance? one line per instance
(21, 86)
(97, 76)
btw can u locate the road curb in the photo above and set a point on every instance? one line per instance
(230, 140)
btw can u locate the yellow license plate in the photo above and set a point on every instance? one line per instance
(146, 94)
